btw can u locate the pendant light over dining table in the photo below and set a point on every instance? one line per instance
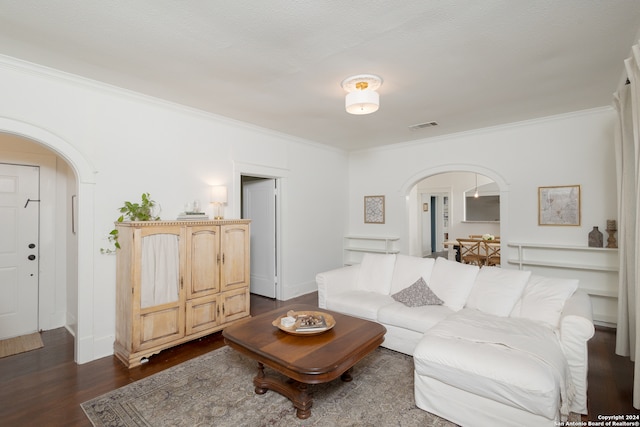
(362, 97)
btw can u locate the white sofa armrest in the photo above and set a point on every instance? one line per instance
(576, 328)
(333, 282)
(576, 319)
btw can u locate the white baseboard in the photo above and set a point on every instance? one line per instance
(299, 290)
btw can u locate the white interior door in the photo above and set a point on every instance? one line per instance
(19, 212)
(259, 205)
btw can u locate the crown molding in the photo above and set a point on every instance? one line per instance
(41, 71)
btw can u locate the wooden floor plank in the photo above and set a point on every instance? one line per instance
(45, 386)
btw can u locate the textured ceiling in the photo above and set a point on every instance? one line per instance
(278, 64)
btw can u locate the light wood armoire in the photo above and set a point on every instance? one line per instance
(177, 281)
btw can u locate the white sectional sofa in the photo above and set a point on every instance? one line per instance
(491, 346)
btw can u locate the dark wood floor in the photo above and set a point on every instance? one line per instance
(45, 387)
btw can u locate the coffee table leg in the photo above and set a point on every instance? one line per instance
(259, 379)
(293, 390)
(346, 376)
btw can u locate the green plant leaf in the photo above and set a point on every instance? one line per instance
(134, 212)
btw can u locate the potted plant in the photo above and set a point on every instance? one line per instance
(144, 211)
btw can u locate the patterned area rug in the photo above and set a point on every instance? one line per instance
(21, 344)
(216, 389)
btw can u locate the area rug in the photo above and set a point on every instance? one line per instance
(20, 344)
(216, 389)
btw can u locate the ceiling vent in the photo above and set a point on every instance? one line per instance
(423, 125)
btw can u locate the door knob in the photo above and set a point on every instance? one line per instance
(31, 257)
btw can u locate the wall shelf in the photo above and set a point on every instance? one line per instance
(600, 293)
(355, 246)
(556, 252)
(571, 266)
(596, 268)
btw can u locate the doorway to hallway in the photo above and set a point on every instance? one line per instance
(259, 204)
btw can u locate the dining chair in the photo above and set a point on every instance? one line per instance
(471, 252)
(492, 253)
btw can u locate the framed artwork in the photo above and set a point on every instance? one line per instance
(559, 205)
(374, 209)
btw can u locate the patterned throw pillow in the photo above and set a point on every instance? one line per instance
(417, 295)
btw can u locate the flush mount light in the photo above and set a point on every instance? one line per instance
(362, 97)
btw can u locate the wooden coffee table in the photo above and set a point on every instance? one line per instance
(309, 359)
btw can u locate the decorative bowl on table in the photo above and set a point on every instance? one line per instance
(305, 322)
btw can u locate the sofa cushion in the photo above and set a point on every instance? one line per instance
(363, 304)
(418, 319)
(496, 372)
(408, 269)
(543, 299)
(452, 281)
(497, 290)
(375, 273)
(417, 295)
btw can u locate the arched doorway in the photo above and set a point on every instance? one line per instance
(79, 315)
(414, 204)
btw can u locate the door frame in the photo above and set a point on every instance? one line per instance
(280, 175)
(437, 228)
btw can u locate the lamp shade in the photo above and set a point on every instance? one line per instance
(362, 97)
(219, 194)
(362, 101)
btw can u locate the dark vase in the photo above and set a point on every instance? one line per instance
(595, 238)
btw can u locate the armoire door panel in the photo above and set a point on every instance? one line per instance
(236, 304)
(158, 327)
(203, 277)
(235, 257)
(202, 313)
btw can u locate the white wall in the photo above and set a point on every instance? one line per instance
(561, 150)
(137, 144)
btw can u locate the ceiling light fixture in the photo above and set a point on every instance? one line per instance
(362, 97)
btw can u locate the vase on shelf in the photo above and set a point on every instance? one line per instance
(611, 231)
(595, 238)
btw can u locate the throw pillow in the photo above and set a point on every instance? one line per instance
(543, 299)
(407, 269)
(497, 290)
(417, 295)
(375, 273)
(452, 281)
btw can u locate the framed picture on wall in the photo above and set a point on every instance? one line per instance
(559, 205)
(374, 209)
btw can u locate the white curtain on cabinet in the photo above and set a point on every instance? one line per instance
(627, 140)
(160, 267)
